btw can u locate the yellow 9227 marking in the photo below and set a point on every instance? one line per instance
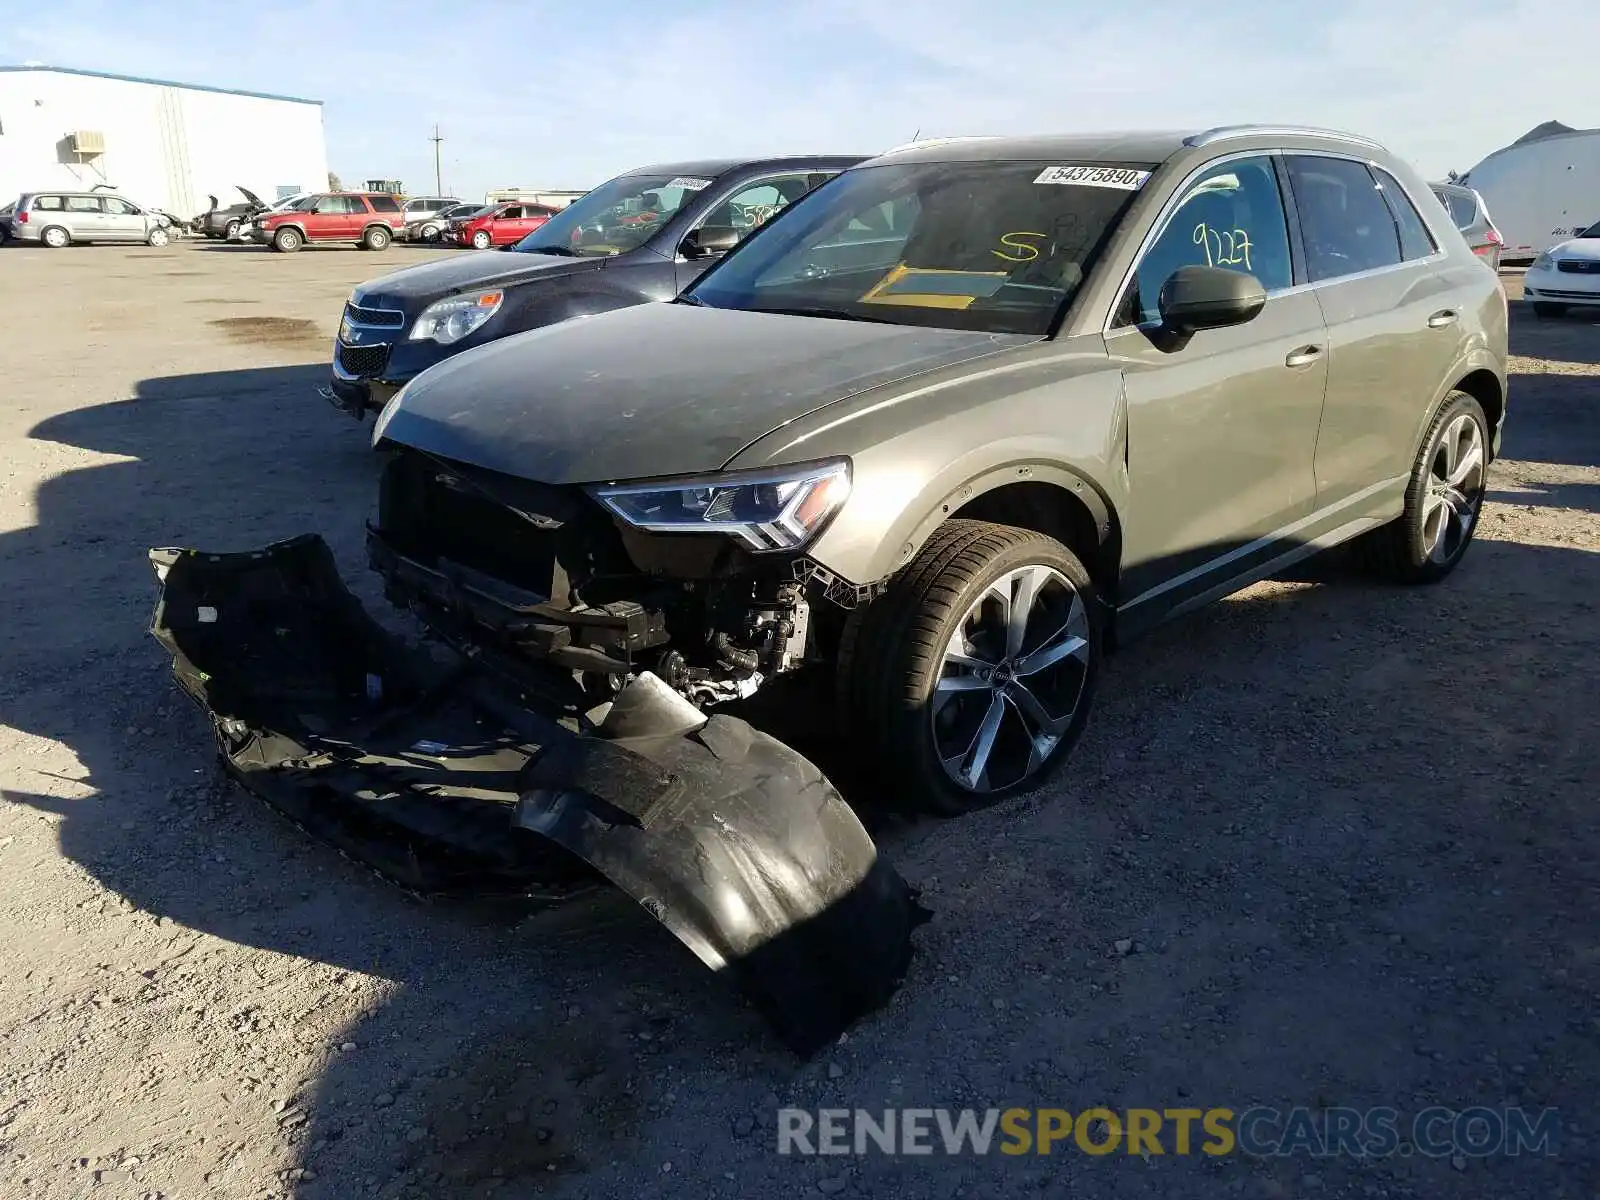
(1224, 247)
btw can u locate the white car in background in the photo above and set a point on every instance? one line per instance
(1566, 276)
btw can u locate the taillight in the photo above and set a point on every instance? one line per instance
(22, 217)
(1495, 238)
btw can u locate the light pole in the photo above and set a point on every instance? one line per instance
(438, 176)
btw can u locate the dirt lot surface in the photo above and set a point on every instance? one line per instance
(1327, 843)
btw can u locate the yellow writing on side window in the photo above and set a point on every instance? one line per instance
(1224, 247)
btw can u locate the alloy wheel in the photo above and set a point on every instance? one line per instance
(1012, 679)
(1457, 479)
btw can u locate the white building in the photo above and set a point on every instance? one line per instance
(166, 145)
(1542, 188)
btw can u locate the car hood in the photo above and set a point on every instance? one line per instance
(1586, 249)
(481, 268)
(656, 389)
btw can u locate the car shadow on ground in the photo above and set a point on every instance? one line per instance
(518, 1050)
(522, 1058)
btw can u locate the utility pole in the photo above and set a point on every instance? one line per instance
(438, 176)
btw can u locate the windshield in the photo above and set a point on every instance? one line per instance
(614, 218)
(1592, 232)
(992, 246)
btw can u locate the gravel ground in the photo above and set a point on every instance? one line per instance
(1327, 843)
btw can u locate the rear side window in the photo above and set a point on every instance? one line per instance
(84, 204)
(47, 204)
(1463, 211)
(1344, 220)
(383, 204)
(1230, 217)
(1415, 240)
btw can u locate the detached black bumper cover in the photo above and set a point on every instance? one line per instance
(447, 779)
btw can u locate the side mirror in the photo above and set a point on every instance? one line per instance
(1195, 298)
(710, 241)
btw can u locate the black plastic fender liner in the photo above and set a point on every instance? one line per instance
(447, 778)
(744, 850)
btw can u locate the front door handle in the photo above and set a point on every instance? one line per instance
(1303, 356)
(1445, 316)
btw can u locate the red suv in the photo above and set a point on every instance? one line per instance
(366, 219)
(500, 226)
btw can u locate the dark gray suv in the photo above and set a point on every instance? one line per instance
(909, 460)
(955, 420)
(639, 237)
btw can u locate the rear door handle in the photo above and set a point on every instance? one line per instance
(1445, 316)
(1303, 356)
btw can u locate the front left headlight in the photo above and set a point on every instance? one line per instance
(452, 319)
(780, 509)
(1541, 261)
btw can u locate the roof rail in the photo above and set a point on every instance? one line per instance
(1223, 132)
(938, 141)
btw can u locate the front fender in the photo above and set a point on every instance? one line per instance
(546, 306)
(745, 851)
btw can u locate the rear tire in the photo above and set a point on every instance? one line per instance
(954, 711)
(287, 240)
(481, 240)
(1443, 499)
(1541, 309)
(55, 237)
(376, 238)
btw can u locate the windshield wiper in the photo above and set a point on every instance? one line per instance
(834, 314)
(563, 251)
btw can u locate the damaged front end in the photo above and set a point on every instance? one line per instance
(499, 773)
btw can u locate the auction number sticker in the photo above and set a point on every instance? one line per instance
(1122, 178)
(690, 184)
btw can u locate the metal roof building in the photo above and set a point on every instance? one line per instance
(163, 144)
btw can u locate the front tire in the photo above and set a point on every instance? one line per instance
(972, 677)
(375, 238)
(1548, 310)
(287, 240)
(1443, 499)
(231, 232)
(55, 237)
(481, 240)
(158, 237)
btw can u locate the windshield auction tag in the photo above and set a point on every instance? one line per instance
(689, 184)
(1121, 178)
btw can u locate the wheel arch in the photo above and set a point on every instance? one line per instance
(1479, 375)
(1484, 386)
(1063, 506)
(1048, 496)
(383, 225)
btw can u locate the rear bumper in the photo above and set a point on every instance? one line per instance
(448, 779)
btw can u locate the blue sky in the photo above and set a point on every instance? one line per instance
(564, 95)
